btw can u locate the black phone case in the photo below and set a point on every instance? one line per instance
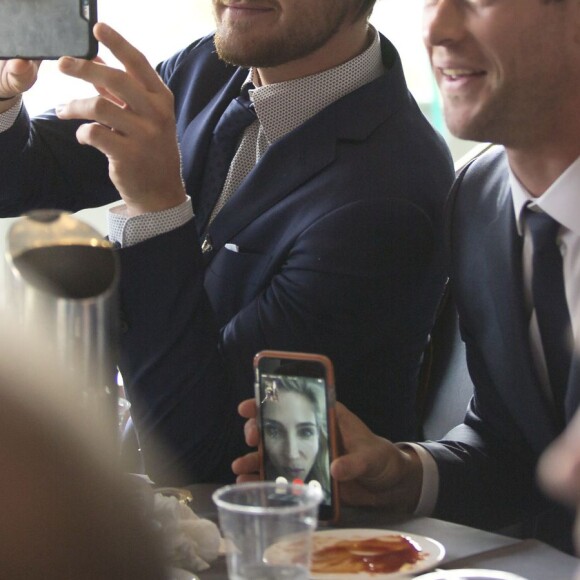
(47, 29)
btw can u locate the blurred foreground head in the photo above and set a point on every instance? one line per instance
(67, 512)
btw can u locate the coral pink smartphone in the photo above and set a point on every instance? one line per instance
(295, 397)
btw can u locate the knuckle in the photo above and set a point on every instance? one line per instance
(88, 132)
(149, 132)
(100, 105)
(116, 79)
(164, 114)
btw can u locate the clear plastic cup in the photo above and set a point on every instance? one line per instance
(268, 529)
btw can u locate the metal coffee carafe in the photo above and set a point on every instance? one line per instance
(62, 283)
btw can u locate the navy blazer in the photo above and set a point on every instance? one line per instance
(487, 465)
(333, 244)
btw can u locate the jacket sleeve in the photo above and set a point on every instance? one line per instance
(183, 399)
(486, 468)
(44, 166)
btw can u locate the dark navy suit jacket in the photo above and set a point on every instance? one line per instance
(487, 465)
(339, 237)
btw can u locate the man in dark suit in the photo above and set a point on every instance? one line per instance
(332, 242)
(496, 89)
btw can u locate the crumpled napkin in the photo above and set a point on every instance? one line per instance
(189, 541)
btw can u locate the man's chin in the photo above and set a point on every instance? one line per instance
(246, 59)
(467, 131)
(238, 53)
(470, 123)
(266, 53)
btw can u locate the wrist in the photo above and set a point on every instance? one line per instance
(153, 205)
(7, 103)
(407, 491)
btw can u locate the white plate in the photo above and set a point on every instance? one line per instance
(467, 574)
(433, 553)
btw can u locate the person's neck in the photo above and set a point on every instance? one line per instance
(539, 167)
(348, 42)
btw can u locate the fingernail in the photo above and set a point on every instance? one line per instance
(59, 109)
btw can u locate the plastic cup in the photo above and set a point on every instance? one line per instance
(268, 528)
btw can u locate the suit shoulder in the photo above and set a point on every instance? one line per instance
(479, 181)
(476, 192)
(485, 171)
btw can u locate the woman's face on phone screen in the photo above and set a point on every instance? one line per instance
(291, 435)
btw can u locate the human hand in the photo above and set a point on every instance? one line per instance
(372, 471)
(133, 124)
(16, 77)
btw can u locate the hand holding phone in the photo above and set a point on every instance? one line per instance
(295, 399)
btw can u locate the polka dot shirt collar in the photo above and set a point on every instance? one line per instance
(282, 107)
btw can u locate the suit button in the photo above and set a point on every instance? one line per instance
(206, 245)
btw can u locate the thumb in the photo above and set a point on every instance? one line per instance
(365, 454)
(18, 75)
(348, 467)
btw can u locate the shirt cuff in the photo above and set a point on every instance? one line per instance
(8, 117)
(430, 486)
(128, 231)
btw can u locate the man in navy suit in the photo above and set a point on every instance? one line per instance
(496, 88)
(332, 241)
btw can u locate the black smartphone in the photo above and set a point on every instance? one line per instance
(47, 29)
(295, 397)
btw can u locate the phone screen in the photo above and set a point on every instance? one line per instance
(295, 414)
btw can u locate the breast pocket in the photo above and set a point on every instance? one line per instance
(234, 278)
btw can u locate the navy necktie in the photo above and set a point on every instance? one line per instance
(550, 303)
(226, 136)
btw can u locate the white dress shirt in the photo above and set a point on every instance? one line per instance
(562, 203)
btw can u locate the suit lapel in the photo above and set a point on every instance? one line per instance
(197, 136)
(296, 158)
(505, 282)
(285, 166)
